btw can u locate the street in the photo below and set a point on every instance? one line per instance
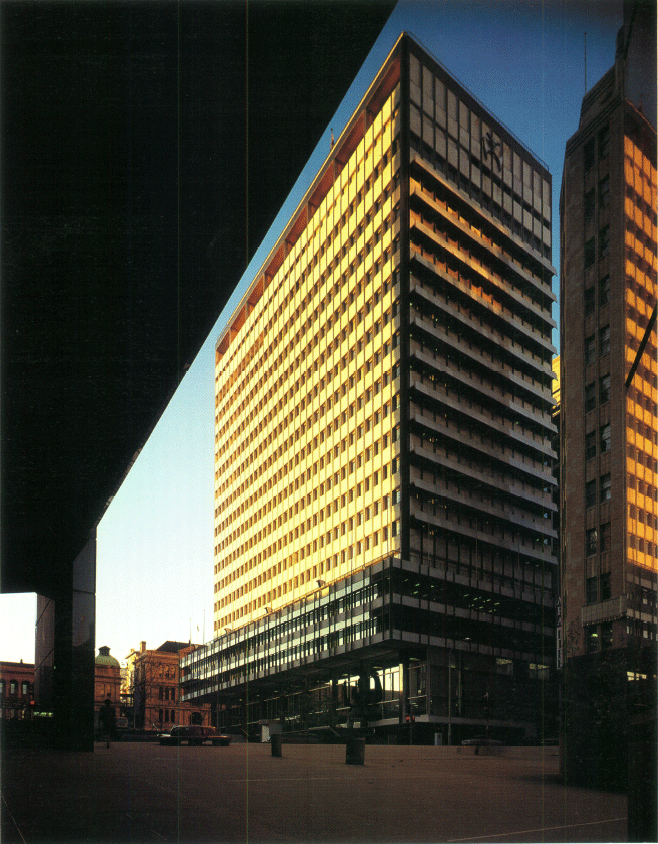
(146, 793)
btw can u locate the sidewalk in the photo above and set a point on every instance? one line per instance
(147, 793)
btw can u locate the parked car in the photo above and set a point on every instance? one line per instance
(194, 734)
(480, 741)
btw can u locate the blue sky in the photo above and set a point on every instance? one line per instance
(525, 61)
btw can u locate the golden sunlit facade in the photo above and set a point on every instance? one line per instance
(384, 506)
(307, 456)
(609, 428)
(642, 393)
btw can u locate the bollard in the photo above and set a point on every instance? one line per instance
(275, 741)
(355, 751)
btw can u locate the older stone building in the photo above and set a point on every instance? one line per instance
(154, 678)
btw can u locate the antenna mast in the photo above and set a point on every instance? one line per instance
(585, 62)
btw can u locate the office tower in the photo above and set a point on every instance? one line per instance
(608, 420)
(383, 460)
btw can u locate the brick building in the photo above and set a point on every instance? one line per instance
(609, 424)
(16, 689)
(153, 682)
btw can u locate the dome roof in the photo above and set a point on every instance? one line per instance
(104, 658)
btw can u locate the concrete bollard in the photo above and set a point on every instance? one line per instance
(275, 741)
(355, 751)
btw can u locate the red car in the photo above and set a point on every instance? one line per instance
(194, 734)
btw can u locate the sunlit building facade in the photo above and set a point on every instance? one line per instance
(609, 425)
(383, 460)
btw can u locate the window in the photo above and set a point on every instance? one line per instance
(606, 592)
(591, 541)
(606, 635)
(590, 349)
(606, 487)
(604, 241)
(590, 397)
(588, 154)
(590, 445)
(590, 205)
(604, 389)
(604, 340)
(591, 588)
(604, 141)
(592, 639)
(590, 252)
(605, 437)
(605, 538)
(604, 291)
(604, 191)
(590, 302)
(590, 493)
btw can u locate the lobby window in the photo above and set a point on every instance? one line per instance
(605, 437)
(590, 349)
(604, 340)
(590, 445)
(606, 591)
(591, 541)
(590, 397)
(590, 301)
(604, 241)
(604, 291)
(604, 191)
(592, 640)
(590, 493)
(604, 391)
(606, 487)
(606, 635)
(591, 590)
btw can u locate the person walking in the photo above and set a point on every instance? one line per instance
(106, 720)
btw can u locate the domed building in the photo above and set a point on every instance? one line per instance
(107, 679)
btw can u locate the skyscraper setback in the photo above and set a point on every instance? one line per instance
(383, 461)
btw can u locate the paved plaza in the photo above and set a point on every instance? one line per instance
(147, 793)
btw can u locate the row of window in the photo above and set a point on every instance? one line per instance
(300, 415)
(598, 539)
(12, 688)
(167, 693)
(370, 482)
(602, 140)
(604, 486)
(328, 461)
(361, 546)
(240, 494)
(600, 438)
(604, 345)
(604, 198)
(167, 716)
(604, 392)
(603, 244)
(604, 295)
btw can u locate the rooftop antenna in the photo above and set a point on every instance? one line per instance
(585, 62)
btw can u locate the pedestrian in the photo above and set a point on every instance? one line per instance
(106, 720)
